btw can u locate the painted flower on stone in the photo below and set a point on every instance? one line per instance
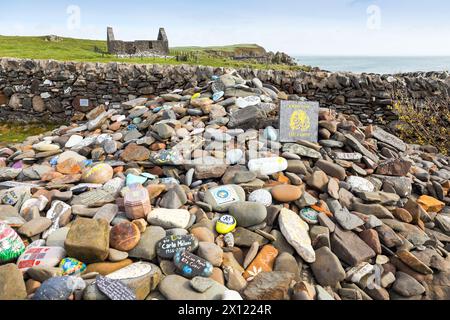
(254, 272)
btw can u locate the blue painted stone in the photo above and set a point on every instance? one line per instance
(191, 266)
(218, 95)
(133, 179)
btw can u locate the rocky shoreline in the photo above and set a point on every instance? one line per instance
(190, 195)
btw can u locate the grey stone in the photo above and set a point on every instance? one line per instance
(301, 150)
(357, 146)
(245, 238)
(35, 227)
(146, 248)
(332, 169)
(347, 220)
(406, 285)
(350, 248)
(327, 268)
(12, 285)
(373, 209)
(248, 214)
(286, 262)
(388, 138)
(175, 287)
(269, 286)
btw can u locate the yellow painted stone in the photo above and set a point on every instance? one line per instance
(196, 95)
(226, 224)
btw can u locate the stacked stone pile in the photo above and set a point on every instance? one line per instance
(191, 195)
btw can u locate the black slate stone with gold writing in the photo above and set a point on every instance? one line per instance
(299, 121)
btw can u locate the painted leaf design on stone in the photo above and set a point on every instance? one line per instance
(254, 272)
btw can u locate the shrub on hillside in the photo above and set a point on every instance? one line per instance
(424, 122)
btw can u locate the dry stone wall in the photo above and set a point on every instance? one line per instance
(46, 90)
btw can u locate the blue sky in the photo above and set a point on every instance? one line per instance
(304, 27)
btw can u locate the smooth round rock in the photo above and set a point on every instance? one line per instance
(45, 146)
(124, 237)
(234, 156)
(244, 177)
(203, 234)
(211, 252)
(110, 146)
(146, 248)
(175, 287)
(261, 196)
(248, 214)
(99, 174)
(286, 193)
(226, 224)
(70, 155)
(116, 255)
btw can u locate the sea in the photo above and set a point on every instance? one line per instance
(380, 65)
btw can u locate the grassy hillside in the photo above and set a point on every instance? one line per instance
(69, 49)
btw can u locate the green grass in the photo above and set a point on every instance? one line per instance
(16, 133)
(81, 50)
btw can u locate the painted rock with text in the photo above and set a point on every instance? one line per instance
(190, 265)
(167, 247)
